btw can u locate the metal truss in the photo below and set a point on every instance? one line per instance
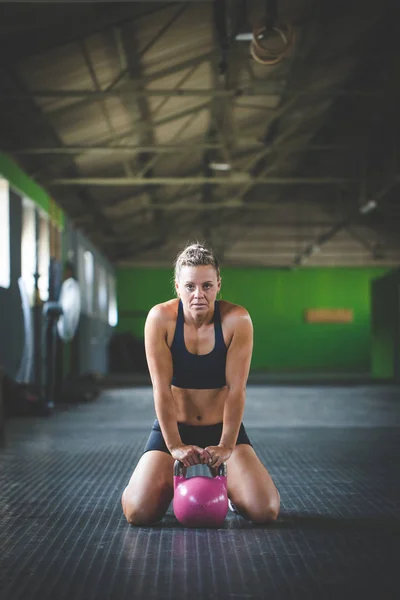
(146, 79)
(173, 148)
(229, 181)
(103, 104)
(255, 90)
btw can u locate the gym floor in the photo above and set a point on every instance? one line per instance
(333, 452)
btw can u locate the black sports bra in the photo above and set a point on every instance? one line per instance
(198, 371)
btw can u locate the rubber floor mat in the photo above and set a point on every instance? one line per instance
(63, 535)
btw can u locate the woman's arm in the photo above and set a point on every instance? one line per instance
(159, 361)
(237, 371)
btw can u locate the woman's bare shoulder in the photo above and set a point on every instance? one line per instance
(232, 311)
(234, 317)
(165, 311)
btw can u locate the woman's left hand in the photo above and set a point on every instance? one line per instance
(218, 455)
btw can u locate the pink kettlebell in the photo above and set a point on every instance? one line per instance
(200, 501)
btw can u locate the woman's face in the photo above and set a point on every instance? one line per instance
(198, 287)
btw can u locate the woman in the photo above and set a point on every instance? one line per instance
(199, 351)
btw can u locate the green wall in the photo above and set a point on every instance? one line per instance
(276, 300)
(26, 186)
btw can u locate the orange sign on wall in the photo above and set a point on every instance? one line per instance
(329, 315)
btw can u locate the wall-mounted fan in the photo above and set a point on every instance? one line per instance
(62, 318)
(70, 304)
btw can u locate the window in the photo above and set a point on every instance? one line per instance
(88, 269)
(86, 279)
(44, 256)
(4, 234)
(112, 303)
(28, 247)
(102, 293)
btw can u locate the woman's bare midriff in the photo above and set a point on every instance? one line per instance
(199, 407)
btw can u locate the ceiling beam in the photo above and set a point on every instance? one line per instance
(102, 104)
(146, 79)
(155, 157)
(136, 106)
(130, 57)
(139, 54)
(325, 237)
(163, 121)
(201, 92)
(376, 248)
(133, 131)
(138, 92)
(197, 206)
(234, 180)
(164, 227)
(265, 242)
(173, 148)
(135, 149)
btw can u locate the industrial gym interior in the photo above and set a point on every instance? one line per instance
(269, 131)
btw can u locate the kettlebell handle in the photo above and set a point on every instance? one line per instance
(180, 469)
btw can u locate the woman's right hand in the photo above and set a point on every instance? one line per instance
(190, 455)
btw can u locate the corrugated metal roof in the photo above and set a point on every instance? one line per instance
(141, 92)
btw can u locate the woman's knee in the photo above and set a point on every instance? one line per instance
(150, 489)
(265, 511)
(140, 515)
(144, 509)
(265, 514)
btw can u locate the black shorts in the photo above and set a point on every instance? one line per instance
(198, 435)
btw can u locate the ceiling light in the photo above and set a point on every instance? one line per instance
(368, 207)
(244, 37)
(220, 166)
